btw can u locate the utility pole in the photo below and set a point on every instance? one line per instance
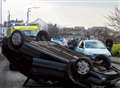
(1, 9)
(1, 12)
(28, 13)
(8, 18)
(1, 28)
(9, 15)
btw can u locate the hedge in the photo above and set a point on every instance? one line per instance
(116, 49)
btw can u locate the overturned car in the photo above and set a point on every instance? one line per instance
(46, 60)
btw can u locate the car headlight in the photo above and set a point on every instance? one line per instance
(16, 38)
(83, 67)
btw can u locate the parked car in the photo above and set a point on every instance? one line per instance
(59, 40)
(92, 48)
(49, 61)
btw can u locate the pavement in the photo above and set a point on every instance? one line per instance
(10, 79)
(115, 60)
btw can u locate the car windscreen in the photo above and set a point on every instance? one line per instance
(30, 32)
(59, 38)
(94, 44)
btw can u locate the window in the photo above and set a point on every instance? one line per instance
(81, 45)
(94, 44)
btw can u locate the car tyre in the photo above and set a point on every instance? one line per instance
(106, 62)
(17, 39)
(43, 36)
(75, 76)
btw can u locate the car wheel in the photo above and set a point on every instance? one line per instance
(78, 70)
(17, 39)
(43, 36)
(82, 66)
(103, 61)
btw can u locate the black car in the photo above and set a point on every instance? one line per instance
(48, 61)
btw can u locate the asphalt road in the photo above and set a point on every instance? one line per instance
(13, 79)
(10, 79)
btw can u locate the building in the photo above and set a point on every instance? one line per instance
(43, 24)
(76, 32)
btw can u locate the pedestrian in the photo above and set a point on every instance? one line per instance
(109, 44)
(72, 44)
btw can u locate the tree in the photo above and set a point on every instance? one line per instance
(114, 19)
(101, 33)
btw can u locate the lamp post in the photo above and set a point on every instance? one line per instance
(1, 13)
(1, 25)
(28, 13)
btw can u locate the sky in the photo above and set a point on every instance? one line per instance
(69, 13)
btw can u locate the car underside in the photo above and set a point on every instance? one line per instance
(46, 60)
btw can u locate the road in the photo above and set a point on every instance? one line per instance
(10, 79)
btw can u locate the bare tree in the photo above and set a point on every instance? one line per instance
(101, 33)
(114, 19)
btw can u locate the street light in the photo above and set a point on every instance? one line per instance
(1, 9)
(1, 13)
(28, 13)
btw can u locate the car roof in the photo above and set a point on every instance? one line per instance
(92, 40)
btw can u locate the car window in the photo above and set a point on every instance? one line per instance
(81, 45)
(94, 44)
(22, 24)
(59, 38)
(30, 33)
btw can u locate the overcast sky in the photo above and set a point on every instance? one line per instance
(63, 12)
